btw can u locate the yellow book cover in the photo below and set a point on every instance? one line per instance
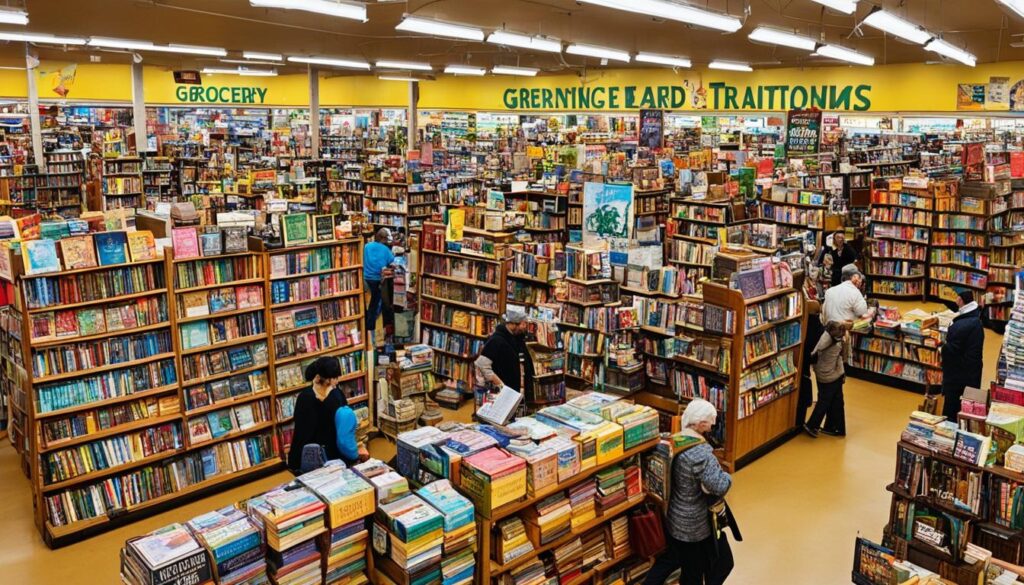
(141, 245)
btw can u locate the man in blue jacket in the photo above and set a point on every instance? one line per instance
(962, 354)
(377, 256)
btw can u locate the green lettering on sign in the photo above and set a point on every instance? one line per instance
(215, 94)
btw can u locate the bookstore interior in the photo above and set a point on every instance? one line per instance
(418, 292)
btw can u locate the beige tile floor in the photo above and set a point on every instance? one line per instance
(799, 507)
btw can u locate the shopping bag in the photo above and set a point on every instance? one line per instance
(647, 533)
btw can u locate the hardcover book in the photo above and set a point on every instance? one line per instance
(185, 242)
(78, 252)
(195, 304)
(91, 322)
(195, 335)
(111, 247)
(235, 240)
(40, 256)
(212, 243)
(249, 296)
(142, 245)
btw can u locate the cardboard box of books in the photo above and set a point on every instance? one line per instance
(492, 478)
(348, 496)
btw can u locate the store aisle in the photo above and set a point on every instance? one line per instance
(799, 507)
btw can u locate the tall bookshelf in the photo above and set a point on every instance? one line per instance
(345, 185)
(156, 180)
(1006, 254)
(588, 317)
(315, 308)
(387, 204)
(898, 240)
(651, 208)
(461, 290)
(61, 190)
(799, 211)
(695, 231)
(424, 203)
(546, 216)
(12, 383)
(122, 184)
(960, 249)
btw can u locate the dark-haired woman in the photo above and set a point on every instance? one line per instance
(315, 410)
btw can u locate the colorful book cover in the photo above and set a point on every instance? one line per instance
(212, 243)
(220, 423)
(141, 245)
(249, 296)
(195, 335)
(185, 242)
(40, 256)
(221, 390)
(43, 326)
(111, 247)
(222, 299)
(66, 324)
(78, 252)
(195, 304)
(235, 240)
(323, 227)
(295, 229)
(91, 322)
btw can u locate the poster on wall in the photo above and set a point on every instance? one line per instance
(652, 128)
(607, 215)
(970, 96)
(1017, 97)
(998, 96)
(803, 132)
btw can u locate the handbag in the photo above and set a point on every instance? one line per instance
(313, 457)
(647, 533)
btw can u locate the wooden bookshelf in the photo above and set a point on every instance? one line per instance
(586, 333)
(898, 240)
(695, 228)
(796, 214)
(157, 181)
(546, 215)
(13, 383)
(344, 184)
(388, 204)
(305, 324)
(457, 315)
(122, 183)
(895, 359)
(959, 256)
(1006, 254)
(424, 204)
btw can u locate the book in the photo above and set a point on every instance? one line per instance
(195, 335)
(78, 252)
(91, 321)
(40, 256)
(236, 239)
(111, 247)
(195, 304)
(211, 243)
(323, 228)
(295, 228)
(185, 242)
(141, 245)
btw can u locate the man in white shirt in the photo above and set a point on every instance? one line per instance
(845, 303)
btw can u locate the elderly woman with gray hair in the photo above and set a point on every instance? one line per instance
(827, 359)
(693, 546)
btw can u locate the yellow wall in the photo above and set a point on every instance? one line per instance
(892, 88)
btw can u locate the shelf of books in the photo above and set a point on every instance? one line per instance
(344, 185)
(387, 204)
(795, 211)
(898, 238)
(696, 228)
(156, 180)
(589, 322)
(315, 308)
(122, 184)
(897, 242)
(546, 216)
(1006, 254)
(424, 204)
(462, 295)
(61, 190)
(13, 398)
(897, 350)
(960, 248)
(655, 296)
(58, 193)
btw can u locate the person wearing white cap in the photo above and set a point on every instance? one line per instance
(845, 303)
(505, 359)
(377, 256)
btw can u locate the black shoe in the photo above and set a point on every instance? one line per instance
(832, 433)
(813, 433)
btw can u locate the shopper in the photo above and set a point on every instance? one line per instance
(827, 357)
(315, 409)
(377, 256)
(703, 557)
(962, 354)
(845, 303)
(345, 425)
(505, 359)
(841, 255)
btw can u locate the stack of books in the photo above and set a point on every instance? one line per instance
(639, 423)
(618, 542)
(583, 499)
(409, 445)
(611, 487)
(541, 465)
(345, 562)
(930, 431)
(349, 499)
(234, 543)
(457, 568)
(298, 565)
(595, 550)
(492, 478)
(513, 542)
(292, 516)
(553, 518)
(568, 561)
(634, 485)
(386, 481)
(169, 554)
(530, 573)
(415, 534)
(600, 440)
(445, 459)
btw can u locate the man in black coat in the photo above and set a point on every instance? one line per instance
(962, 354)
(505, 359)
(842, 256)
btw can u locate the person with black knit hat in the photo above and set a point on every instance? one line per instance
(316, 420)
(962, 354)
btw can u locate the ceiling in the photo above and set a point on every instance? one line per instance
(982, 27)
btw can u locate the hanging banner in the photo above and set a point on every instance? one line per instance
(652, 128)
(803, 132)
(608, 218)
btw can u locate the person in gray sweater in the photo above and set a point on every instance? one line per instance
(829, 354)
(697, 480)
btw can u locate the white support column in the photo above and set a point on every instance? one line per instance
(139, 110)
(314, 111)
(412, 117)
(31, 62)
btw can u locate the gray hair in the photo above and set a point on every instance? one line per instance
(698, 411)
(383, 235)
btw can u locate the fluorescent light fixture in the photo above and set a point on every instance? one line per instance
(109, 43)
(599, 52)
(844, 6)
(328, 7)
(248, 62)
(328, 62)
(953, 52)
(262, 56)
(844, 54)
(896, 26)
(1014, 5)
(241, 71)
(40, 38)
(441, 29)
(673, 11)
(730, 66)
(538, 43)
(773, 36)
(412, 66)
(13, 16)
(662, 60)
(523, 71)
(395, 78)
(464, 70)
